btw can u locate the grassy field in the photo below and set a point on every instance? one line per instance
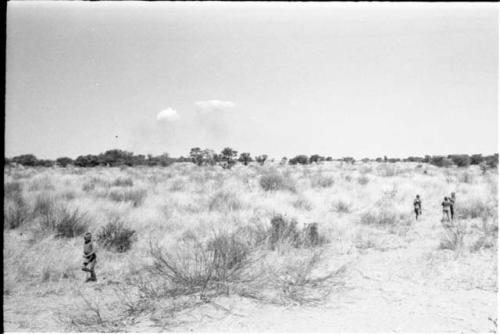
(203, 248)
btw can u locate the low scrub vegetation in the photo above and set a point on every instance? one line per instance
(115, 236)
(178, 238)
(276, 181)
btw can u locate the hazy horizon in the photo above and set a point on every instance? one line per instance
(283, 79)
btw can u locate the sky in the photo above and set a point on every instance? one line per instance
(336, 79)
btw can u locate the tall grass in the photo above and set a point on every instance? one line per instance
(273, 181)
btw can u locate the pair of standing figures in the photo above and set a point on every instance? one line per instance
(448, 207)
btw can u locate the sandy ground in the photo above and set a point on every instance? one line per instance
(413, 287)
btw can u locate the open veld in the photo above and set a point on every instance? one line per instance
(189, 248)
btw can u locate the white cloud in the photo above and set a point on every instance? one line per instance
(214, 105)
(168, 115)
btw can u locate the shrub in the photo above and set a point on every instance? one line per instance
(302, 203)
(341, 206)
(284, 231)
(462, 160)
(178, 184)
(70, 223)
(134, 196)
(63, 221)
(453, 239)
(299, 159)
(473, 208)
(466, 177)
(123, 182)
(224, 201)
(41, 183)
(12, 189)
(276, 181)
(197, 267)
(26, 160)
(296, 282)
(320, 181)
(64, 161)
(16, 211)
(114, 236)
(386, 216)
(261, 159)
(386, 170)
(229, 254)
(363, 180)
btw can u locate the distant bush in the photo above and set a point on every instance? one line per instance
(276, 181)
(245, 158)
(114, 236)
(462, 160)
(441, 161)
(25, 160)
(261, 158)
(316, 158)
(64, 161)
(299, 159)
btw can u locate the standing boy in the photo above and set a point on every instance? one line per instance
(89, 257)
(446, 209)
(452, 205)
(417, 205)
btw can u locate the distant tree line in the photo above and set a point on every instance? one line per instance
(228, 157)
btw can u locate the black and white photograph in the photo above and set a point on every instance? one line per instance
(251, 167)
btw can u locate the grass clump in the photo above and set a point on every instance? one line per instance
(363, 180)
(320, 181)
(199, 267)
(274, 181)
(71, 223)
(453, 238)
(134, 196)
(16, 211)
(341, 206)
(114, 236)
(123, 182)
(224, 201)
(284, 232)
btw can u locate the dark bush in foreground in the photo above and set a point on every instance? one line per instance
(114, 236)
(197, 267)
